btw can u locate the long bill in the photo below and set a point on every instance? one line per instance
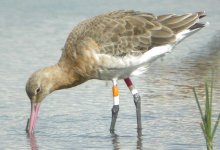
(33, 117)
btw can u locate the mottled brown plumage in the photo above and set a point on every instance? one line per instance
(122, 33)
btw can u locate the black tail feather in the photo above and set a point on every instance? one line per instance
(197, 26)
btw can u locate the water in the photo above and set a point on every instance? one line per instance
(31, 36)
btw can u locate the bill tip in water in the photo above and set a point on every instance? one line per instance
(27, 126)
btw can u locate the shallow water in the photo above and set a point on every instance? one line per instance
(31, 36)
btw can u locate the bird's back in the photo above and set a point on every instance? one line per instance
(121, 33)
(125, 34)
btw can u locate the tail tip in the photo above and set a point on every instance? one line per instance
(201, 14)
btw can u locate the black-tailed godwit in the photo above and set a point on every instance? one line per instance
(111, 46)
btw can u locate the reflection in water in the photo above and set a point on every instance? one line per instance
(139, 142)
(116, 142)
(32, 141)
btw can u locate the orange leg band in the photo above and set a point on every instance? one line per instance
(115, 90)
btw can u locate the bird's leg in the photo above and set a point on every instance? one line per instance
(137, 101)
(115, 107)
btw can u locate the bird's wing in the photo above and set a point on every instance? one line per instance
(122, 33)
(178, 23)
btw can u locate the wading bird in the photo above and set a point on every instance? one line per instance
(111, 46)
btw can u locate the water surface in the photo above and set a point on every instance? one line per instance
(31, 36)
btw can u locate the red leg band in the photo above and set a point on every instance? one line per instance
(128, 82)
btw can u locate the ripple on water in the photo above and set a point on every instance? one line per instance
(32, 34)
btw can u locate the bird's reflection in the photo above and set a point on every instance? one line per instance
(32, 141)
(139, 142)
(116, 141)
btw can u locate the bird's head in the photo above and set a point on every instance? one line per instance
(37, 88)
(43, 82)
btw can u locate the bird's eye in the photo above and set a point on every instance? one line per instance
(37, 90)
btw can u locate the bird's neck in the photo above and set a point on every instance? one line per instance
(62, 78)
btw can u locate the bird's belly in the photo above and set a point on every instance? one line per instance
(118, 68)
(115, 73)
(112, 67)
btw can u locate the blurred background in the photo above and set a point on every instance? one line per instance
(32, 34)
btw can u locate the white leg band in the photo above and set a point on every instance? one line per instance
(116, 100)
(134, 91)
